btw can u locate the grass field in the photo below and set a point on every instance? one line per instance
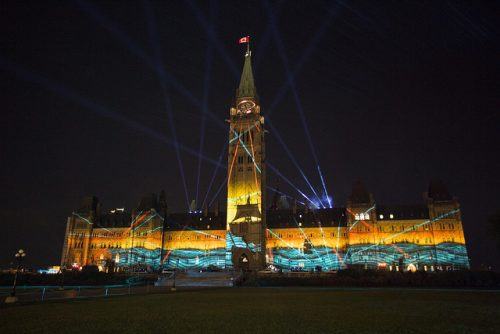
(253, 310)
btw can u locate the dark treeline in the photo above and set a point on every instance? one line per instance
(369, 278)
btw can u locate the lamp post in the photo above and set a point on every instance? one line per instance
(173, 286)
(19, 257)
(175, 274)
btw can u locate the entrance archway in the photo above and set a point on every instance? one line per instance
(243, 262)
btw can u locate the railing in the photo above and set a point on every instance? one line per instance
(34, 293)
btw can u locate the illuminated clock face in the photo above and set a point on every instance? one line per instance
(246, 107)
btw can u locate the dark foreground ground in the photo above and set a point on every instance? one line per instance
(265, 310)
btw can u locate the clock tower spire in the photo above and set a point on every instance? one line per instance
(247, 87)
(246, 211)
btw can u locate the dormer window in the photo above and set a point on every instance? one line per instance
(362, 216)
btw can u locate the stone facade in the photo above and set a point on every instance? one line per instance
(428, 236)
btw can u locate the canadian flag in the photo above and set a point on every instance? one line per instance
(245, 39)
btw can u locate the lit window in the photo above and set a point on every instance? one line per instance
(356, 216)
(367, 216)
(391, 216)
(300, 224)
(381, 216)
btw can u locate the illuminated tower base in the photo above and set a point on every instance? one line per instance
(245, 240)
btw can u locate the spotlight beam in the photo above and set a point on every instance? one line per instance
(92, 11)
(84, 102)
(282, 193)
(114, 29)
(277, 172)
(324, 187)
(281, 51)
(265, 39)
(223, 150)
(218, 191)
(212, 35)
(292, 158)
(155, 44)
(305, 55)
(206, 89)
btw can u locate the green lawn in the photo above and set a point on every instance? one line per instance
(253, 310)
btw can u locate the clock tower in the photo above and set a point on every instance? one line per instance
(246, 179)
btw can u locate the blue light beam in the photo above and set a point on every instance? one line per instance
(155, 44)
(292, 158)
(98, 109)
(204, 109)
(281, 51)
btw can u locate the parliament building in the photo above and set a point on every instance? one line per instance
(248, 235)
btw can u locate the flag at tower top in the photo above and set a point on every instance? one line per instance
(245, 39)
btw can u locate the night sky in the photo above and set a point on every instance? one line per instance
(393, 93)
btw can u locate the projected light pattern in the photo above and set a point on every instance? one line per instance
(136, 256)
(195, 258)
(307, 254)
(291, 258)
(189, 258)
(238, 242)
(177, 258)
(308, 237)
(444, 254)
